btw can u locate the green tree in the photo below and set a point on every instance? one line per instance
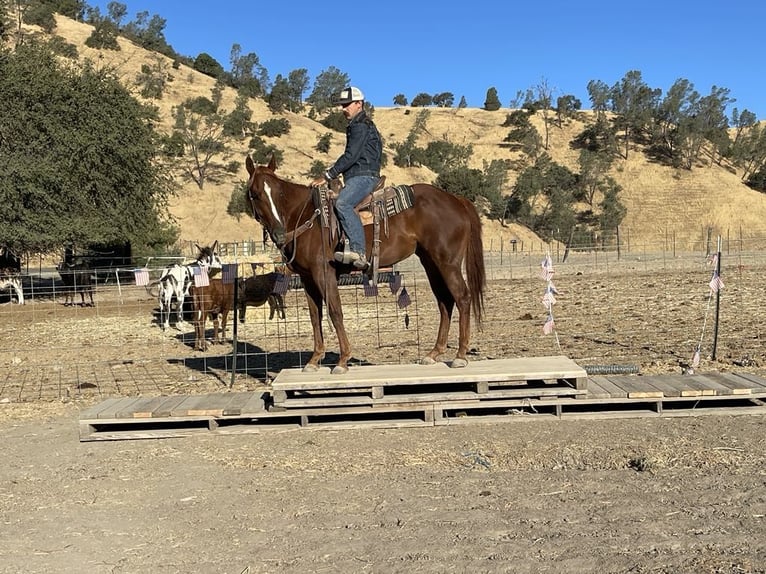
(444, 99)
(153, 78)
(400, 100)
(279, 98)
(201, 126)
(104, 34)
(407, 154)
(40, 14)
(148, 32)
(335, 121)
(462, 104)
(247, 73)
(80, 168)
(117, 11)
(750, 151)
(613, 211)
(323, 143)
(540, 99)
(327, 85)
(206, 64)
(594, 170)
(523, 135)
(238, 203)
(422, 100)
(274, 127)
(441, 155)
(237, 124)
(492, 102)
(599, 94)
(543, 199)
(634, 104)
(297, 83)
(262, 152)
(566, 107)
(74, 9)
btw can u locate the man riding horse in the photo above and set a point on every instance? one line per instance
(360, 167)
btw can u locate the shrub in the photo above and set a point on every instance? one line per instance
(274, 127)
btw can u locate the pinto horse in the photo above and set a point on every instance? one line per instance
(442, 229)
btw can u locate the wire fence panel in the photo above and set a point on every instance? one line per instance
(646, 311)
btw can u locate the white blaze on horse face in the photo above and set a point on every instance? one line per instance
(267, 190)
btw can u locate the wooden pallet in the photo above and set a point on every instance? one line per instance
(605, 397)
(403, 384)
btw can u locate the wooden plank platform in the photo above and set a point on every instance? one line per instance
(252, 412)
(397, 384)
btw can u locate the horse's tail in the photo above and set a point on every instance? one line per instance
(474, 262)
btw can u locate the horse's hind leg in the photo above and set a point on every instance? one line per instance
(449, 288)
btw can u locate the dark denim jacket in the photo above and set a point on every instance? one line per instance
(363, 149)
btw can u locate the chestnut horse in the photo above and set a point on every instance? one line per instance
(442, 229)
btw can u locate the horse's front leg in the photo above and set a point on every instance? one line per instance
(314, 298)
(199, 332)
(335, 309)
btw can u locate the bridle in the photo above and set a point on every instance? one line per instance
(291, 237)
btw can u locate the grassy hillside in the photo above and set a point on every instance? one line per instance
(662, 202)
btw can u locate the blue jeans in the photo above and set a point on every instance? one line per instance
(353, 192)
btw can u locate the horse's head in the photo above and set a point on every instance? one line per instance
(208, 257)
(265, 195)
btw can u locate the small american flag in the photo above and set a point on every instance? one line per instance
(404, 299)
(549, 325)
(370, 288)
(546, 269)
(229, 272)
(201, 278)
(716, 283)
(548, 299)
(142, 277)
(395, 283)
(281, 284)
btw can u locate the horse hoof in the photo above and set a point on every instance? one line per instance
(459, 363)
(338, 370)
(310, 368)
(427, 361)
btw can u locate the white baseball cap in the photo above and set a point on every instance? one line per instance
(350, 94)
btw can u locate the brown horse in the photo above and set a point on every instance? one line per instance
(442, 229)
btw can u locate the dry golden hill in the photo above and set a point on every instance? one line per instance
(662, 202)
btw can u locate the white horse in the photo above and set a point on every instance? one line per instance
(11, 282)
(176, 280)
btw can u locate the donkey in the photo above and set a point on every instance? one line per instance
(257, 290)
(77, 278)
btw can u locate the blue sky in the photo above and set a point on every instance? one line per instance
(434, 47)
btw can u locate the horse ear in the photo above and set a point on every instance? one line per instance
(214, 248)
(249, 165)
(273, 163)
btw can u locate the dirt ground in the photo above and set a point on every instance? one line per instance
(641, 495)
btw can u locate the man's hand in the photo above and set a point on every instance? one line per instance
(318, 182)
